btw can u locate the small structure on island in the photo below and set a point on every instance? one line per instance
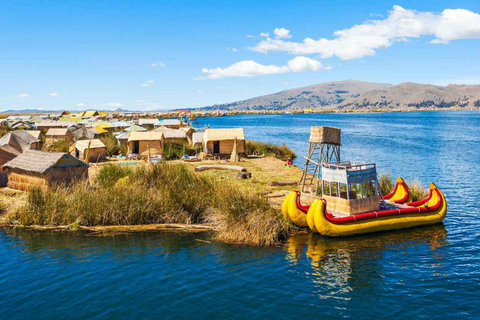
(40, 169)
(173, 136)
(143, 143)
(197, 138)
(89, 150)
(20, 141)
(58, 134)
(87, 133)
(220, 142)
(351, 187)
(324, 147)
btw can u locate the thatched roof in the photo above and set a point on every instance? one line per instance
(172, 133)
(20, 140)
(57, 132)
(85, 132)
(37, 134)
(58, 124)
(94, 144)
(143, 121)
(42, 161)
(145, 136)
(197, 137)
(223, 134)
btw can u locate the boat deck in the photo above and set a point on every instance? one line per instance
(390, 205)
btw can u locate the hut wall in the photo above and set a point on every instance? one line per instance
(94, 155)
(27, 180)
(156, 147)
(176, 140)
(3, 179)
(226, 147)
(36, 146)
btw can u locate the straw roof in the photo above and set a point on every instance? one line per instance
(197, 137)
(37, 134)
(143, 121)
(172, 133)
(57, 132)
(58, 124)
(94, 144)
(145, 136)
(19, 140)
(85, 132)
(223, 134)
(42, 161)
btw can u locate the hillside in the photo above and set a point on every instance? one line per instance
(315, 96)
(359, 95)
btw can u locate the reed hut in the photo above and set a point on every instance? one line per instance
(174, 136)
(86, 133)
(140, 142)
(7, 153)
(58, 134)
(40, 169)
(20, 140)
(122, 138)
(197, 138)
(220, 142)
(37, 134)
(97, 151)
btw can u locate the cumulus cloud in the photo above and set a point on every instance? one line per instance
(264, 34)
(250, 68)
(249, 36)
(81, 105)
(53, 94)
(23, 95)
(157, 64)
(364, 39)
(147, 83)
(281, 33)
(233, 49)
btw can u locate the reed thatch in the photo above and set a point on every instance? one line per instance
(44, 169)
(225, 139)
(20, 141)
(329, 135)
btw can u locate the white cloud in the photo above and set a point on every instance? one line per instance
(53, 94)
(23, 95)
(114, 105)
(147, 84)
(80, 105)
(265, 34)
(364, 39)
(157, 64)
(282, 33)
(249, 36)
(250, 68)
(233, 49)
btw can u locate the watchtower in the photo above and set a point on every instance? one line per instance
(324, 147)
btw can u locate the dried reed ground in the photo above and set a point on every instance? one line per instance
(162, 193)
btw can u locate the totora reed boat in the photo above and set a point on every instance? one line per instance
(362, 209)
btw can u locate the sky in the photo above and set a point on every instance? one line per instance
(161, 55)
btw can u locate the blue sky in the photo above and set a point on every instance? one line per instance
(144, 55)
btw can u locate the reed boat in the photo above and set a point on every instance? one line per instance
(337, 216)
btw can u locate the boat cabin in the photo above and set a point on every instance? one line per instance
(350, 187)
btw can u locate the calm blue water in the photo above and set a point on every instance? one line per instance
(425, 273)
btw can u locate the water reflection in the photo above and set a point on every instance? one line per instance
(345, 264)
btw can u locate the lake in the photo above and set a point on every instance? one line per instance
(421, 273)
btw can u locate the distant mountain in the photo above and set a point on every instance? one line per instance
(359, 95)
(315, 96)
